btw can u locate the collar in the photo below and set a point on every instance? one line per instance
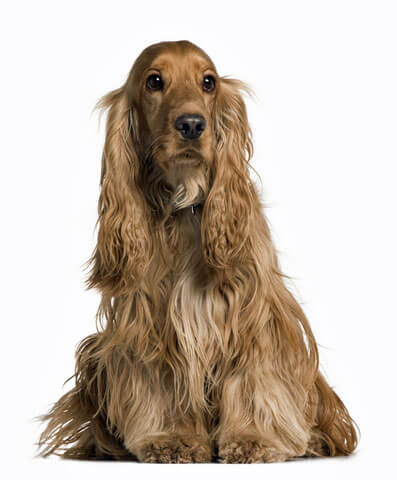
(195, 207)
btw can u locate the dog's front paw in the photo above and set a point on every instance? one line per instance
(175, 450)
(249, 451)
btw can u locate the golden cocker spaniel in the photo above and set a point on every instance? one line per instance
(201, 352)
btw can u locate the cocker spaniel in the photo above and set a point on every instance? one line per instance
(201, 352)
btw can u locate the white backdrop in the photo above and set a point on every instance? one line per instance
(324, 121)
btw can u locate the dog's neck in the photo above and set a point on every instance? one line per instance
(180, 189)
(194, 209)
(189, 189)
(187, 196)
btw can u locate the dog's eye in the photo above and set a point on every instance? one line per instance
(154, 82)
(208, 83)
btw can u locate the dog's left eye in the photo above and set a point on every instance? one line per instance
(154, 82)
(208, 83)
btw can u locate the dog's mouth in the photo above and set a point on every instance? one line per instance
(188, 156)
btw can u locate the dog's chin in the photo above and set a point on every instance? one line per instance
(187, 176)
(188, 156)
(181, 162)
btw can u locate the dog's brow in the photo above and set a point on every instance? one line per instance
(157, 66)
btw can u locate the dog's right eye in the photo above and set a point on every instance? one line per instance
(154, 82)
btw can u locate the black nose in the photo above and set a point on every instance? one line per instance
(190, 125)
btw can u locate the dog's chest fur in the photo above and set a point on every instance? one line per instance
(192, 305)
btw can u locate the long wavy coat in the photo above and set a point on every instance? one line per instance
(201, 352)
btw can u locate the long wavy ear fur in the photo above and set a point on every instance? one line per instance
(123, 246)
(227, 209)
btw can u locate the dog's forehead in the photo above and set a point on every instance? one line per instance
(190, 61)
(173, 56)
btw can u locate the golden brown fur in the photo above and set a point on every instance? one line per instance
(201, 349)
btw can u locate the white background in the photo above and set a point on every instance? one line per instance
(325, 119)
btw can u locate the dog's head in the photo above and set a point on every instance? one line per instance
(182, 113)
(173, 87)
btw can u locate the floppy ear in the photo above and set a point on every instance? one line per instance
(228, 208)
(123, 246)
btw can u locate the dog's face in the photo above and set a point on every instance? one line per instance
(173, 86)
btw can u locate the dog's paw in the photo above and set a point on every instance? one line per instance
(249, 451)
(175, 450)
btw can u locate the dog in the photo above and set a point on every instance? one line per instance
(201, 352)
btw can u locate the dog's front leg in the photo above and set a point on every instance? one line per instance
(155, 430)
(259, 420)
